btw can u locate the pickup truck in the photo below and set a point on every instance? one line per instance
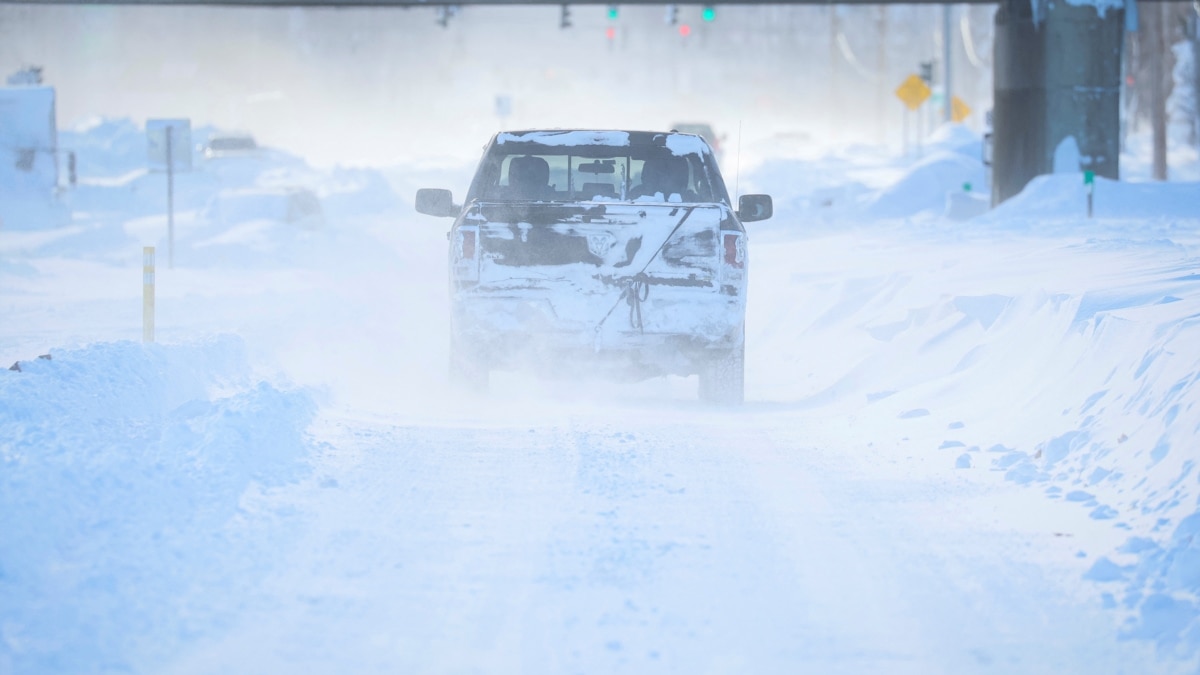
(596, 252)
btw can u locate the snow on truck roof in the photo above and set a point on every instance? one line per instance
(677, 143)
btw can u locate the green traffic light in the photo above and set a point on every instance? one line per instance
(709, 13)
(612, 12)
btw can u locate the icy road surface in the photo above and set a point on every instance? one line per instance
(650, 539)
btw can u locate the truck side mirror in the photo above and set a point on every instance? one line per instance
(755, 207)
(436, 202)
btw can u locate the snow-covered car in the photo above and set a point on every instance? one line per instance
(599, 252)
(230, 144)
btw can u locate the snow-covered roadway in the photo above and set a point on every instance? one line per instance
(644, 537)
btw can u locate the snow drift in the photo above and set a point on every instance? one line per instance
(125, 467)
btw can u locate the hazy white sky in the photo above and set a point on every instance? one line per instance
(376, 84)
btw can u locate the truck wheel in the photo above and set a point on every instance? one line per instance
(722, 378)
(468, 373)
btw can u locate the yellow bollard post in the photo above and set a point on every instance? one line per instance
(148, 294)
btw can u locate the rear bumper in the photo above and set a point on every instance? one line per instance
(675, 335)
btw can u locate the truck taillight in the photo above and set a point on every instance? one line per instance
(734, 254)
(464, 257)
(468, 243)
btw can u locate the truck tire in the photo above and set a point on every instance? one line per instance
(723, 376)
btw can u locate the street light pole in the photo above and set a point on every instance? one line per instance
(947, 108)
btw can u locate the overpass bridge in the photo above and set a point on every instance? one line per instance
(1057, 72)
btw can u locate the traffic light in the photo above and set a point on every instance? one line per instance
(685, 30)
(927, 71)
(672, 16)
(564, 19)
(612, 12)
(709, 13)
(444, 14)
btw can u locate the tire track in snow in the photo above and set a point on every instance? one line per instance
(682, 567)
(648, 540)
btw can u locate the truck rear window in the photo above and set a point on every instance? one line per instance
(592, 174)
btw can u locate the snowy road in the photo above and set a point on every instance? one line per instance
(644, 540)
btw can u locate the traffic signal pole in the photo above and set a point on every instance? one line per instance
(947, 108)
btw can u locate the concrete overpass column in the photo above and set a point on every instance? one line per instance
(1083, 84)
(1057, 91)
(1019, 100)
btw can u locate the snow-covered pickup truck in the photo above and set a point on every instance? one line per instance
(581, 252)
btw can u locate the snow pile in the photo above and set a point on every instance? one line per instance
(353, 192)
(1064, 196)
(924, 188)
(124, 468)
(1126, 452)
(107, 147)
(812, 190)
(1060, 353)
(266, 206)
(955, 138)
(952, 165)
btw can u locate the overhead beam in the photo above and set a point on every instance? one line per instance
(406, 4)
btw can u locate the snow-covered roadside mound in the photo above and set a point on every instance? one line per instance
(1064, 196)
(1085, 347)
(267, 207)
(812, 193)
(1085, 352)
(923, 189)
(123, 469)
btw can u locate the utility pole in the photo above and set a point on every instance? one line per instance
(1195, 33)
(835, 108)
(1154, 12)
(881, 72)
(947, 108)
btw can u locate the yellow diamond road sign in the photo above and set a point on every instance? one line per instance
(959, 110)
(913, 91)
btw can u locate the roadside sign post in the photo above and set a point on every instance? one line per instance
(1089, 183)
(913, 92)
(169, 143)
(170, 205)
(987, 151)
(148, 294)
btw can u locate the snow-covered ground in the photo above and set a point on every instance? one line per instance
(969, 444)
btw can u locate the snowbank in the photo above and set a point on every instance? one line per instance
(124, 466)
(924, 188)
(1067, 362)
(1064, 195)
(814, 190)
